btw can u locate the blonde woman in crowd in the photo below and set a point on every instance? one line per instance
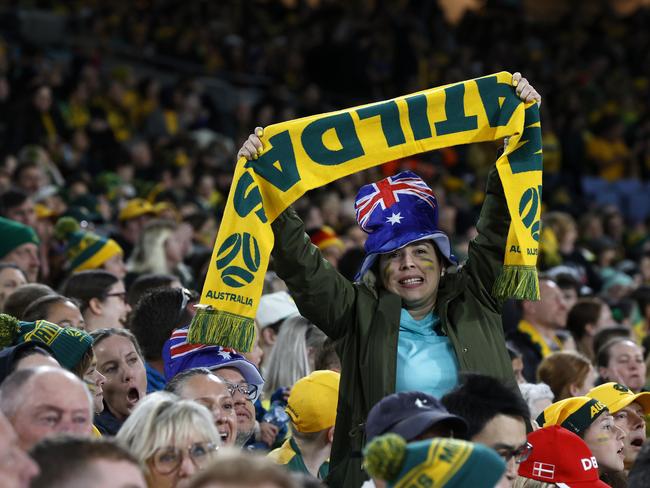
(160, 249)
(294, 354)
(172, 438)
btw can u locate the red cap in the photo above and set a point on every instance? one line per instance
(561, 457)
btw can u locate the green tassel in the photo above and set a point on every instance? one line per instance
(519, 282)
(219, 328)
(9, 327)
(384, 456)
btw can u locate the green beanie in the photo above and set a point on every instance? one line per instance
(435, 463)
(15, 234)
(67, 344)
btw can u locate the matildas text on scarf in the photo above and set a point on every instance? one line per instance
(307, 153)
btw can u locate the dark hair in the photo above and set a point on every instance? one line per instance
(586, 311)
(147, 282)
(89, 284)
(24, 165)
(639, 476)
(176, 383)
(12, 355)
(642, 297)
(13, 197)
(606, 335)
(566, 281)
(602, 355)
(35, 348)
(479, 398)
(23, 296)
(40, 308)
(156, 315)
(101, 334)
(350, 263)
(623, 309)
(66, 460)
(326, 356)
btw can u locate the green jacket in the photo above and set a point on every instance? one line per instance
(364, 321)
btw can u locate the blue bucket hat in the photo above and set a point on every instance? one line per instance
(395, 212)
(179, 356)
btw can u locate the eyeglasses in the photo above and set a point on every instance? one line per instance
(249, 391)
(520, 453)
(166, 460)
(119, 294)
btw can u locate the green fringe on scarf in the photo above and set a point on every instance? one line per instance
(210, 326)
(518, 282)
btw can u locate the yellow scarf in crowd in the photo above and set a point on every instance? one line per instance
(537, 339)
(307, 153)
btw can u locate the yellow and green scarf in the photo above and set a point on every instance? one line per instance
(537, 339)
(307, 153)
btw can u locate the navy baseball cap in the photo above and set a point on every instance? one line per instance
(409, 414)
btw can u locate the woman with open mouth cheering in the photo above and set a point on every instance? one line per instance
(119, 359)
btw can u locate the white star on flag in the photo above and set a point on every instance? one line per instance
(224, 354)
(396, 218)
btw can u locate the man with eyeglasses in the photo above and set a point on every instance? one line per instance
(496, 417)
(244, 394)
(242, 378)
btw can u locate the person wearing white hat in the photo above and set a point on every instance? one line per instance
(273, 309)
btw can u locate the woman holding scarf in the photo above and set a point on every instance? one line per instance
(405, 324)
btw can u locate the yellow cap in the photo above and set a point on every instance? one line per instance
(313, 400)
(135, 208)
(161, 207)
(575, 414)
(616, 397)
(43, 212)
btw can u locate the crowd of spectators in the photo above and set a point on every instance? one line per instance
(118, 141)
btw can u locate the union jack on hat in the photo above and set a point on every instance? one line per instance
(179, 356)
(395, 212)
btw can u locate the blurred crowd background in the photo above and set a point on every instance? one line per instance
(104, 104)
(120, 124)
